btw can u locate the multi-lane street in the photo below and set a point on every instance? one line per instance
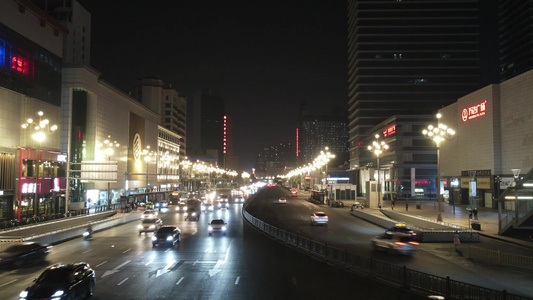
(244, 264)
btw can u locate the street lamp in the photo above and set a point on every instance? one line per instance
(147, 158)
(516, 174)
(377, 148)
(40, 130)
(324, 158)
(438, 134)
(109, 150)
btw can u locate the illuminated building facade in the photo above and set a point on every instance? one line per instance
(31, 50)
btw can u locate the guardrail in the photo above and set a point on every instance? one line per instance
(393, 274)
(500, 258)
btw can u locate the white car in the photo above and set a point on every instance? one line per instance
(319, 217)
(282, 200)
(149, 214)
(217, 225)
(394, 243)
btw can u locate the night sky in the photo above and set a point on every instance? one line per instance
(264, 58)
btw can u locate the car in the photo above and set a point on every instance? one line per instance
(19, 255)
(149, 214)
(337, 203)
(282, 200)
(357, 205)
(161, 204)
(394, 243)
(222, 205)
(402, 228)
(62, 281)
(319, 217)
(217, 225)
(182, 206)
(223, 198)
(149, 205)
(168, 235)
(294, 192)
(207, 207)
(239, 199)
(150, 225)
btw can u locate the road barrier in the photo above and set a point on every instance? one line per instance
(500, 258)
(399, 275)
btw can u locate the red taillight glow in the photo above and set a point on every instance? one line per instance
(399, 243)
(414, 243)
(414, 233)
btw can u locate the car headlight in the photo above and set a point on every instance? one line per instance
(169, 238)
(223, 228)
(154, 238)
(23, 294)
(140, 227)
(220, 204)
(152, 226)
(194, 214)
(210, 228)
(58, 293)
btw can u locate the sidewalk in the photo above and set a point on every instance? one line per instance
(487, 218)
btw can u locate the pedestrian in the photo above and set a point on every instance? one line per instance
(475, 213)
(457, 242)
(469, 213)
(392, 205)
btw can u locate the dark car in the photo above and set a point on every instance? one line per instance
(167, 235)
(62, 281)
(403, 229)
(21, 254)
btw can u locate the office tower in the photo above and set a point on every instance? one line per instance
(413, 57)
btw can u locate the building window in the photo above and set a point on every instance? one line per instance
(22, 63)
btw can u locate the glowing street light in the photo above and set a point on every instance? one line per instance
(378, 148)
(438, 134)
(40, 130)
(109, 148)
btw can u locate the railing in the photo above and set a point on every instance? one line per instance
(403, 276)
(501, 258)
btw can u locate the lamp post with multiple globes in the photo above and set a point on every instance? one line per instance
(40, 129)
(109, 148)
(377, 148)
(438, 134)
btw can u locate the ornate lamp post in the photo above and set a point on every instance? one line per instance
(438, 134)
(516, 174)
(377, 148)
(109, 147)
(40, 130)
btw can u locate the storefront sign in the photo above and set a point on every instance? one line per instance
(483, 183)
(474, 111)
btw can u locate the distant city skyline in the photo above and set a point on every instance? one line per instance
(263, 59)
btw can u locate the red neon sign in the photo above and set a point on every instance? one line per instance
(474, 111)
(389, 130)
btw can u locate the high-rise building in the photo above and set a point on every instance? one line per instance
(317, 131)
(205, 123)
(413, 57)
(171, 106)
(77, 20)
(515, 23)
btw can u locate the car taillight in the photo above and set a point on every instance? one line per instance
(399, 243)
(414, 243)
(326, 217)
(414, 233)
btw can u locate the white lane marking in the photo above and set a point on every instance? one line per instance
(167, 268)
(127, 250)
(87, 251)
(237, 280)
(8, 283)
(109, 272)
(100, 264)
(294, 281)
(179, 281)
(122, 281)
(149, 262)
